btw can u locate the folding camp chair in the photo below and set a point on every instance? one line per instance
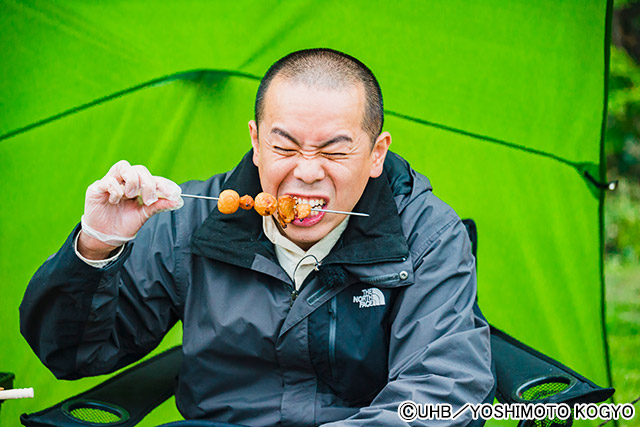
(6, 382)
(523, 375)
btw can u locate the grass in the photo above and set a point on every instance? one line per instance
(623, 327)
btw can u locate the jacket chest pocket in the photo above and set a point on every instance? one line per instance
(349, 342)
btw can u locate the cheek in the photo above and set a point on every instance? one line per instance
(273, 171)
(350, 181)
(358, 173)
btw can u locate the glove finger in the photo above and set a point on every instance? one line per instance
(96, 191)
(163, 205)
(132, 181)
(116, 191)
(147, 185)
(116, 170)
(112, 187)
(168, 189)
(123, 172)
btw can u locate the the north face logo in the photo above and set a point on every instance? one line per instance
(369, 298)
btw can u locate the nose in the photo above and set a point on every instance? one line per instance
(309, 170)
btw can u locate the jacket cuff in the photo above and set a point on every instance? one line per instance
(69, 251)
(96, 263)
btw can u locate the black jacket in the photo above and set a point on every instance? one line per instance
(387, 318)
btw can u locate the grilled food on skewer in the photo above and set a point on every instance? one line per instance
(265, 204)
(228, 201)
(246, 202)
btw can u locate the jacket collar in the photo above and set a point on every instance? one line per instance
(237, 239)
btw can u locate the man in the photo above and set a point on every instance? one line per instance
(331, 319)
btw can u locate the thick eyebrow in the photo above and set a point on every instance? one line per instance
(336, 139)
(339, 138)
(285, 134)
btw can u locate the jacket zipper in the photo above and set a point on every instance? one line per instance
(295, 292)
(380, 279)
(332, 261)
(333, 312)
(294, 295)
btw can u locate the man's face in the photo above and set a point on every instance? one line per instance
(311, 145)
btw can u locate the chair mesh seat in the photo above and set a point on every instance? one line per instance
(556, 422)
(543, 390)
(95, 415)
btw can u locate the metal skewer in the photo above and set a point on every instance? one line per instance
(199, 197)
(313, 209)
(339, 212)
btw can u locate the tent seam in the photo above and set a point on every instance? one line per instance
(183, 75)
(233, 73)
(574, 165)
(603, 177)
(165, 79)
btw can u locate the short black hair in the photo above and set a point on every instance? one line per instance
(330, 69)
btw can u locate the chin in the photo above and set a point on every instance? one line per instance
(304, 237)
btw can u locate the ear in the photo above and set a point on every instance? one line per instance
(379, 153)
(255, 143)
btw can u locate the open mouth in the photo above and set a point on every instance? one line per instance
(315, 216)
(313, 202)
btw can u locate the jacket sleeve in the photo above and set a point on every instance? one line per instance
(83, 321)
(439, 350)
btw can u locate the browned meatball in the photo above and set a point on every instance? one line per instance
(302, 211)
(265, 204)
(285, 208)
(228, 201)
(246, 202)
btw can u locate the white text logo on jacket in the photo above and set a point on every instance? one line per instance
(370, 298)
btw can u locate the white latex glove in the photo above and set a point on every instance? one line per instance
(119, 204)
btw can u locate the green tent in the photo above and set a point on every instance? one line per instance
(500, 104)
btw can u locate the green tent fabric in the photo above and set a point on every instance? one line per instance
(500, 104)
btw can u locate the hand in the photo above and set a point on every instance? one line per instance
(119, 204)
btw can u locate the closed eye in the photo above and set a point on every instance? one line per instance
(334, 155)
(284, 150)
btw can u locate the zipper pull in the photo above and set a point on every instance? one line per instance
(294, 295)
(333, 307)
(332, 311)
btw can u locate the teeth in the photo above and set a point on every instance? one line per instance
(314, 203)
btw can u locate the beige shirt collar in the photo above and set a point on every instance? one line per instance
(291, 255)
